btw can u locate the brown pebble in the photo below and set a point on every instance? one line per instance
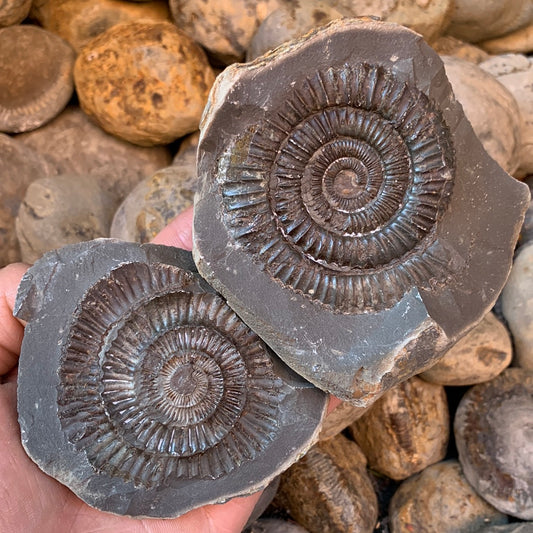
(440, 500)
(13, 11)
(144, 82)
(19, 166)
(478, 357)
(224, 27)
(272, 525)
(78, 21)
(153, 203)
(493, 432)
(61, 210)
(490, 108)
(329, 491)
(35, 77)
(450, 46)
(339, 419)
(518, 41)
(77, 147)
(406, 430)
(186, 154)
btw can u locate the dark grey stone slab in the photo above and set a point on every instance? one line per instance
(143, 392)
(346, 210)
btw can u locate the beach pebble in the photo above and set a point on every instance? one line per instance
(224, 27)
(19, 166)
(477, 21)
(288, 22)
(515, 73)
(494, 436)
(273, 525)
(450, 46)
(153, 203)
(517, 305)
(186, 154)
(440, 500)
(479, 356)
(519, 527)
(61, 210)
(13, 11)
(76, 146)
(329, 490)
(339, 419)
(35, 77)
(144, 82)
(490, 108)
(518, 41)
(78, 21)
(406, 430)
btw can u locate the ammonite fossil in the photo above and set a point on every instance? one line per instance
(343, 206)
(142, 391)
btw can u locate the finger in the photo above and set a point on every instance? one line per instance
(11, 329)
(178, 233)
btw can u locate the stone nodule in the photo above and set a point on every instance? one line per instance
(356, 284)
(154, 398)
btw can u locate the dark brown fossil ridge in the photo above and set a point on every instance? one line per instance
(347, 211)
(142, 391)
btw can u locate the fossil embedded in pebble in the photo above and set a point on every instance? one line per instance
(155, 397)
(347, 193)
(35, 77)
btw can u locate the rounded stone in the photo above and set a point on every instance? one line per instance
(329, 489)
(474, 21)
(289, 21)
(273, 525)
(14, 11)
(154, 202)
(35, 77)
(517, 305)
(223, 27)
(494, 436)
(518, 41)
(521, 527)
(515, 73)
(450, 46)
(61, 210)
(440, 499)
(19, 166)
(76, 146)
(339, 419)
(78, 21)
(186, 154)
(479, 356)
(144, 82)
(405, 430)
(490, 108)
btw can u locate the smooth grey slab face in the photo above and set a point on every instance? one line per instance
(346, 210)
(142, 391)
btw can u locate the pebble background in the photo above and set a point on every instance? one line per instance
(101, 129)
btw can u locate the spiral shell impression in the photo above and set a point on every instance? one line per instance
(335, 175)
(160, 388)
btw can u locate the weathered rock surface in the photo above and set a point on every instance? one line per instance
(522, 527)
(440, 500)
(406, 430)
(272, 525)
(339, 419)
(479, 356)
(19, 166)
(35, 77)
(450, 46)
(61, 210)
(493, 429)
(289, 209)
(74, 145)
(329, 491)
(517, 305)
(490, 108)
(14, 11)
(515, 72)
(472, 21)
(518, 41)
(78, 21)
(154, 202)
(224, 27)
(186, 154)
(146, 82)
(166, 354)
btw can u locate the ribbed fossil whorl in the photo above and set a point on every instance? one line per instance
(339, 191)
(159, 381)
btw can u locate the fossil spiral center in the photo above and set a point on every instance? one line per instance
(348, 184)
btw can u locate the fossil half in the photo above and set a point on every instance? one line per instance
(141, 389)
(346, 210)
